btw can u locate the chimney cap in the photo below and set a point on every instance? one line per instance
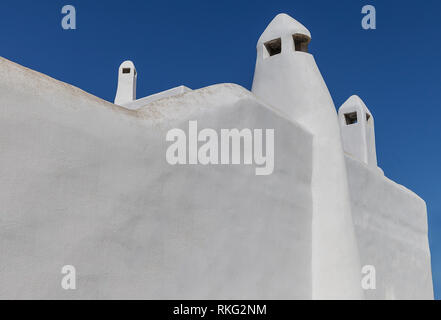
(127, 64)
(354, 101)
(283, 24)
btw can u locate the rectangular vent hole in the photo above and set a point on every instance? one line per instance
(351, 118)
(301, 42)
(274, 47)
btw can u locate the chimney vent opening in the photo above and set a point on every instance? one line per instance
(301, 42)
(351, 118)
(273, 47)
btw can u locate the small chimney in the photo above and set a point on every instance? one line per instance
(126, 91)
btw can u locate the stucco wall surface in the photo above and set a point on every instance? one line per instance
(86, 183)
(391, 229)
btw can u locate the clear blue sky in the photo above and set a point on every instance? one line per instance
(395, 69)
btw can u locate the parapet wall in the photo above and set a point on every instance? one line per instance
(391, 229)
(86, 183)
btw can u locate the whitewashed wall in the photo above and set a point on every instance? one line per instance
(84, 182)
(391, 229)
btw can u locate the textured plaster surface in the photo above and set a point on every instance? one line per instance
(85, 183)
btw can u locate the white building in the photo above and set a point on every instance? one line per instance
(85, 183)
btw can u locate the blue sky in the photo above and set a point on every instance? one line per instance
(395, 69)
